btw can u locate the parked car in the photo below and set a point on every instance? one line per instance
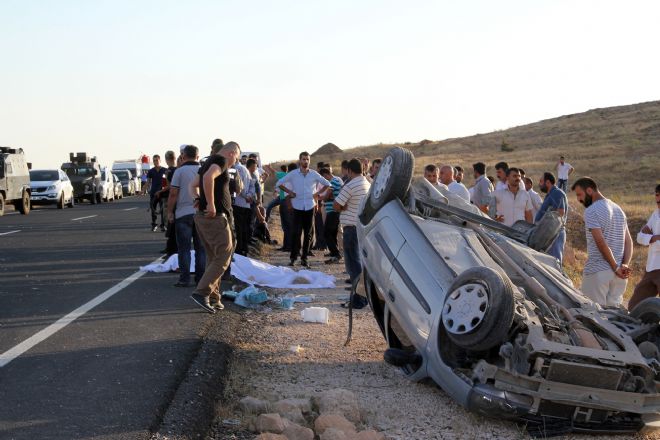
(107, 191)
(480, 309)
(127, 181)
(14, 180)
(51, 187)
(118, 190)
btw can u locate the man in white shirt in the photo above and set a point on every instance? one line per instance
(242, 207)
(500, 174)
(512, 203)
(564, 169)
(609, 245)
(649, 285)
(535, 198)
(303, 194)
(348, 203)
(447, 178)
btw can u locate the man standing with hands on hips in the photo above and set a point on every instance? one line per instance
(303, 194)
(213, 224)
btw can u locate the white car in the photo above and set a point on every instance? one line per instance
(51, 187)
(107, 192)
(119, 192)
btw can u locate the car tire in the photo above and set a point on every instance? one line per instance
(478, 309)
(24, 205)
(60, 202)
(2, 205)
(72, 202)
(647, 311)
(392, 181)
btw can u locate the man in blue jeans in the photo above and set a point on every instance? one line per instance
(348, 203)
(180, 206)
(555, 200)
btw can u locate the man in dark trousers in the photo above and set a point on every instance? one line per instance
(156, 178)
(303, 194)
(213, 221)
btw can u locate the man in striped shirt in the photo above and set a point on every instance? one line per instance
(609, 245)
(331, 227)
(348, 202)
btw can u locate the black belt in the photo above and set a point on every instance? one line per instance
(348, 226)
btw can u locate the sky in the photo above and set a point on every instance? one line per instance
(119, 78)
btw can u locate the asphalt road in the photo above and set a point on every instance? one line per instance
(112, 372)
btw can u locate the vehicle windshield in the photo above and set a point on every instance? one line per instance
(123, 175)
(41, 175)
(80, 171)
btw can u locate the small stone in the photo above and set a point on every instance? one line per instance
(288, 405)
(270, 423)
(333, 434)
(336, 421)
(252, 405)
(340, 401)
(270, 436)
(297, 432)
(368, 435)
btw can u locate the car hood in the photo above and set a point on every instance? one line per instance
(38, 183)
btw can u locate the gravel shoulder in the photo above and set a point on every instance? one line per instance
(265, 365)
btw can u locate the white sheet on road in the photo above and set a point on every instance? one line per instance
(257, 272)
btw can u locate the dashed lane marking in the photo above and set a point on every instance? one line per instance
(10, 232)
(82, 218)
(130, 209)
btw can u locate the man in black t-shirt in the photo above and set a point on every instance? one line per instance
(155, 182)
(213, 222)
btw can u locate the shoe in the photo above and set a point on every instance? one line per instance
(182, 284)
(292, 263)
(162, 229)
(304, 263)
(332, 260)
(347, 281)
(203, 302)
(310, 254)
(154, 229)
(217, 305)
(359, 302)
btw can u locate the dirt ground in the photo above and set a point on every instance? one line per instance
(266, 365)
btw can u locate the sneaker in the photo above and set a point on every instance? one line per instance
(332, 260)
(359, 302)
(162, 229)
(154, 228)
(292, 263)
(217, 305)
(203, 302)
(182, 284)
(348, 281)
(304, 263)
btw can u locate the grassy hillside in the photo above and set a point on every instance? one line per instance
(618, 146)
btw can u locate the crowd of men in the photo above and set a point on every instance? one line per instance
(216, 208)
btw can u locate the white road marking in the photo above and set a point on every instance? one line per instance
(129, 209)
(10, 232)
(81, 218)
(58, 325)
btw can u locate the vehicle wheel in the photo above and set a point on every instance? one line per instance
(99, 198)
(2, 205)
(392, 181)
(24, 204)
(647, 310)
(72, 202)
(60, 202)
(478, 310)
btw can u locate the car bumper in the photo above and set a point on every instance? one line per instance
(44, 198)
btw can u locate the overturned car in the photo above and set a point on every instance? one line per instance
(480, 309)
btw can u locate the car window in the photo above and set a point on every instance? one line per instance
(40, 175)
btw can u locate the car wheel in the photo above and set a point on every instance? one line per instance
(647, 311)
(2, 205)
(478, 309)
(392, 181)
(72, 202)
(24, 204)
(60, 202)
